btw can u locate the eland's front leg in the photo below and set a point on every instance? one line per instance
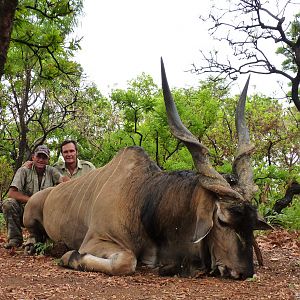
(105, 257)
(33, 220)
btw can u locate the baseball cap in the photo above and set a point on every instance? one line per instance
(42, 149)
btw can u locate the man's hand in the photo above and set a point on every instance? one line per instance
(28, 164)
(15, 194)
(64, 179)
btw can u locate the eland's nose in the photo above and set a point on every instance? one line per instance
(227, 272)
(242, 276)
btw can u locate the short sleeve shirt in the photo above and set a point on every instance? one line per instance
(83, 167)
(26, 180)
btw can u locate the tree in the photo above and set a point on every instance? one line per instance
(249, 27)
(42, 27)
(198, 108)
(94, 119)
(32, 106)
(134, 103)
(33, 109)
(7, 13)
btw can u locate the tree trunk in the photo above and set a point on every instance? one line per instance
(7, 13)
(287, 199)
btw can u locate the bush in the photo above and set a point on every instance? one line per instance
(6, 175)
(2, 223)
(288, 218)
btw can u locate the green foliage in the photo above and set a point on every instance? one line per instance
(135, 102)
(137, 117)
(181, 160)
(2, 223)
(6, 174)
(289, 217)
(44, 248)
(167, 151)
(40, 29)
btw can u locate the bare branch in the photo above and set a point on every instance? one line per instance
(247, 25)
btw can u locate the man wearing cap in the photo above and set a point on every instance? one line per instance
(26, 182)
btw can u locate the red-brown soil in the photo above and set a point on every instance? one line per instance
(39, 277)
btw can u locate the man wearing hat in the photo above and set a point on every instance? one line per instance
(26, 182)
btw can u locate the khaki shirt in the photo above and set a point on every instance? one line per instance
(26, 180)
(83, 167)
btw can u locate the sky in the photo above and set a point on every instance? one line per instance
(122, 39)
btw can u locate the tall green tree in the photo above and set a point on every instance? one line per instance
(134, 104)
(39, 52)
(39, 25)
(32, 110)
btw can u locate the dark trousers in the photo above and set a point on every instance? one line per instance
(13, 215)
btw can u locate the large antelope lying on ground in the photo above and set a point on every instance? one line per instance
(131, 211)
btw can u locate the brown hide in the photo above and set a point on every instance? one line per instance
(33, 215)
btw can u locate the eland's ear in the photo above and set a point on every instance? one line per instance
(261, 224)
(203, 228)
(205, 215)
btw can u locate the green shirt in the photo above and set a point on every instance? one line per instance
(26, 180)
(83, 167)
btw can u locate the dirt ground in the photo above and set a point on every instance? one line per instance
(39, 277)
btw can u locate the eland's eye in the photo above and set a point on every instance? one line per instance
(222, 223)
